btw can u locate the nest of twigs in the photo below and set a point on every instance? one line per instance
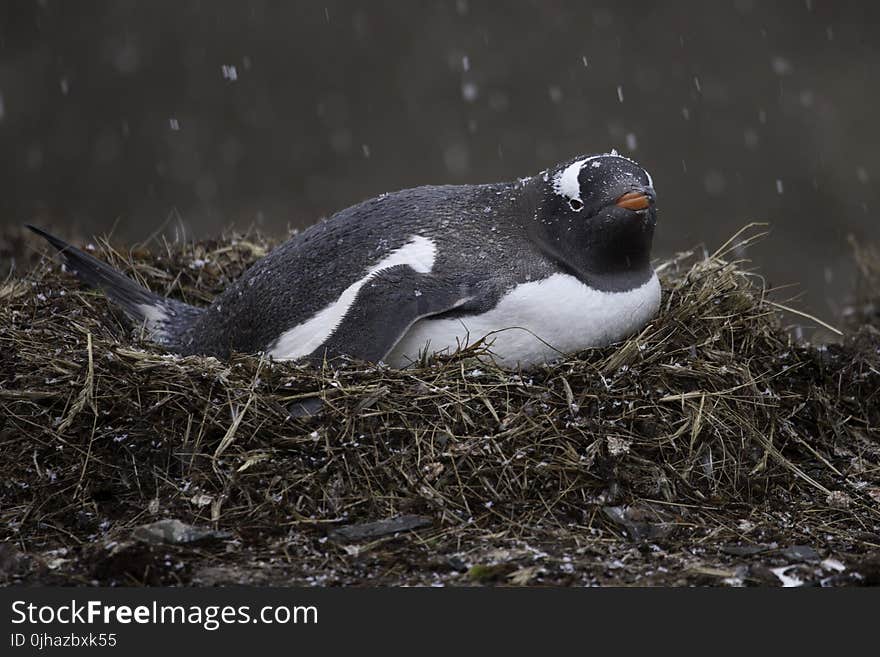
(711, 415)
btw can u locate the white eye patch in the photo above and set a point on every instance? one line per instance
(565, 183)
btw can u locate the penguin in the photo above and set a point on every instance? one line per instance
(538, 268)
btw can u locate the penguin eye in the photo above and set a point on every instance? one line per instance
(576, 204)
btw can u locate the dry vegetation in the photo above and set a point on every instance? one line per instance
(710, 449)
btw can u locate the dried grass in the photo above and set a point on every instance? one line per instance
(711, 415)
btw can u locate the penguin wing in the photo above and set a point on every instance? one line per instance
(385, 309)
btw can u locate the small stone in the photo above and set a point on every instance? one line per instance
(837, 499)
(618, 446)
(743, 550)
(175, 532)
(201, 499)
(800, 553)
(306, 407)
(371, 530)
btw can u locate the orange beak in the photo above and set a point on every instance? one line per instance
(633, 201)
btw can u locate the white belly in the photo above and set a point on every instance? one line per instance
(538, 322)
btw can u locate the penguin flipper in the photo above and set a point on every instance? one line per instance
(385, 309)
(164, 318)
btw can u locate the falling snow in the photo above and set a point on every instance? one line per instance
(780, 65)
(751, 138)
(229, 72)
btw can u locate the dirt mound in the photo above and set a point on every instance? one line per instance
(711, 448)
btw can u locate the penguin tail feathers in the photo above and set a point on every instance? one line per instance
(167, 321)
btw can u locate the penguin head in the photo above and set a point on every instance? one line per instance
(596, 217)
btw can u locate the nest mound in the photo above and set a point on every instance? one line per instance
(698, 451)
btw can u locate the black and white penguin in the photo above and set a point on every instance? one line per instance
(548, 265)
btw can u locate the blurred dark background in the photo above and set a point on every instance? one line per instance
(120, 115)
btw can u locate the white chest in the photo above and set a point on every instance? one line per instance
(538, 322)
